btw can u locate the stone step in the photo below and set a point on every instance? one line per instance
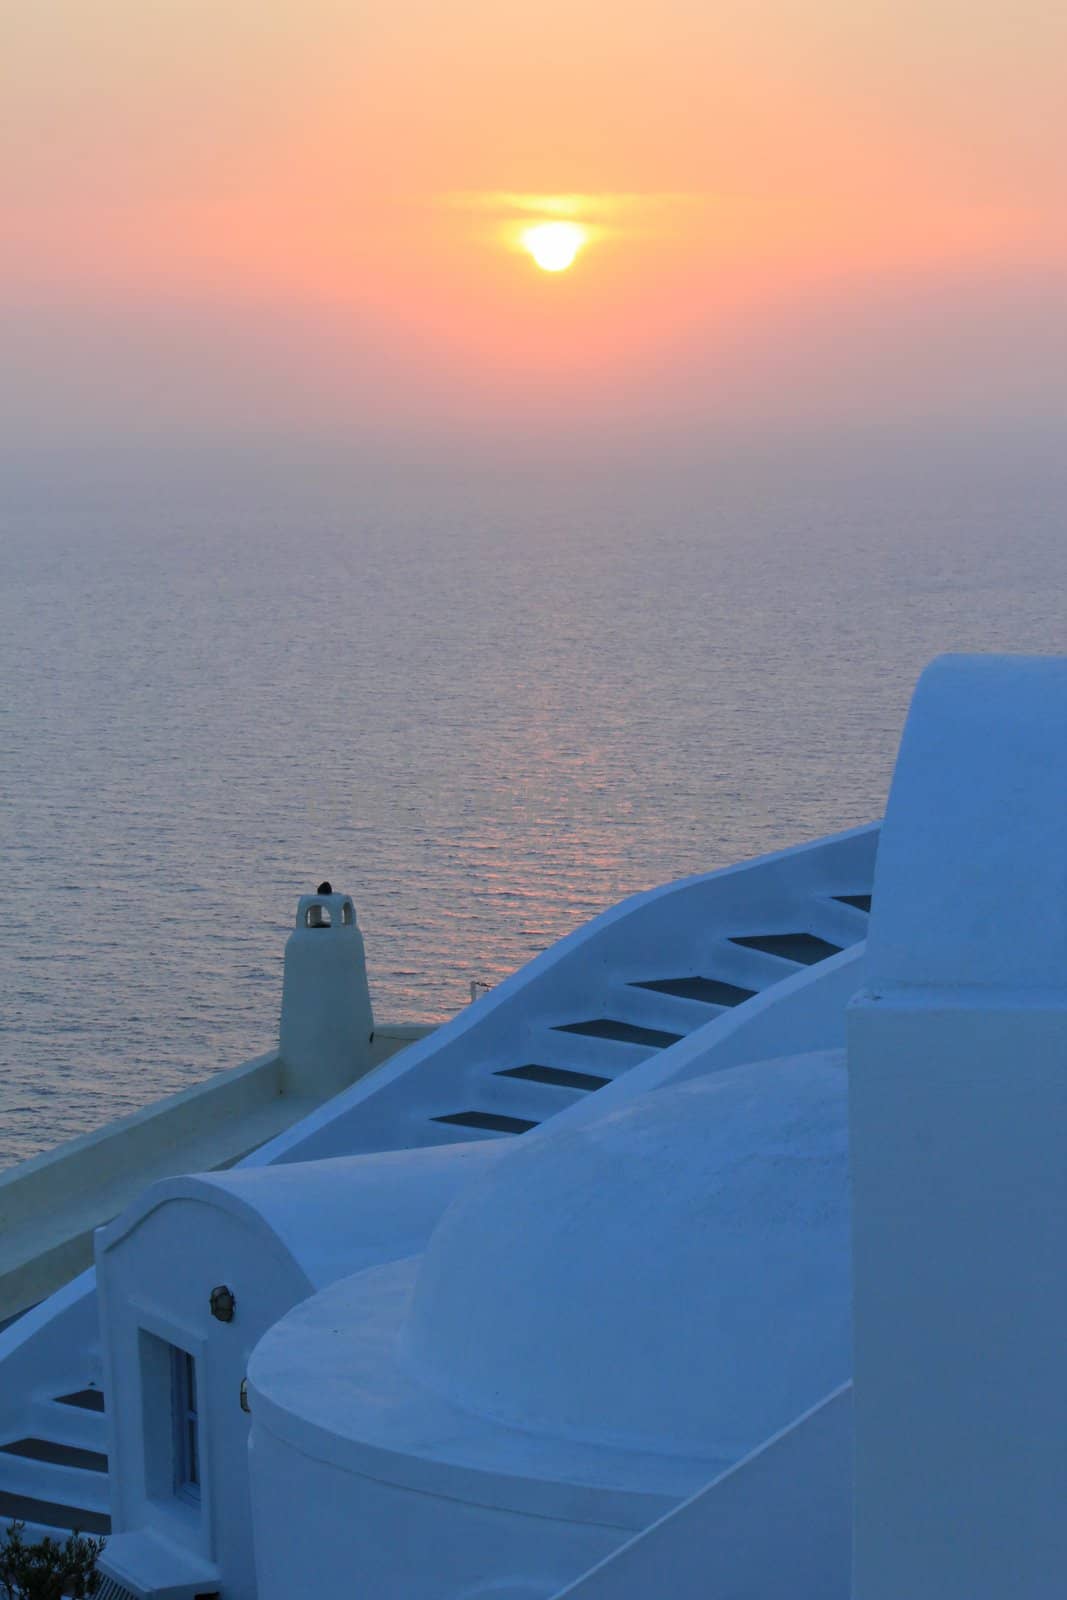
(554, 1077)
(57, 1481)
(621, 1032)
(805, 949)
(487, 1121)
(51, 1514)
(708, 991)
(56, 1453)
(48, 1419)
(84, 1399)
(581, 1052)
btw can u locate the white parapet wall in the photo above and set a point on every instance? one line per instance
(958, 1134)
(50, 1205)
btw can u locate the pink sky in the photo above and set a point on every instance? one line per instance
(234, 216)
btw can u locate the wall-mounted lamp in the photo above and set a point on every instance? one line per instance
(223, 1304)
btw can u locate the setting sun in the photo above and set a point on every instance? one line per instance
(554, 245)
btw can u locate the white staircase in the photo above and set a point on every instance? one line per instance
(53, 1473)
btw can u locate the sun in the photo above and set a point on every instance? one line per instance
(554, 245)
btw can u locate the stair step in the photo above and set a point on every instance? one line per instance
(54, 1480)
(489, 1121)
(25, 1508)
(84, 1399)
(59, 1455)
(558, 1077)
(710, 991)
(574, 1052)
(862, 902)
(621, 1032)
(803, 948)
(47, 1419)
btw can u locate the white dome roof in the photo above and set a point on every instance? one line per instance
(673, 1276)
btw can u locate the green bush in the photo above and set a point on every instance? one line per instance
(48, 1570)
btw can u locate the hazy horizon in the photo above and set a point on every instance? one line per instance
(234, 223)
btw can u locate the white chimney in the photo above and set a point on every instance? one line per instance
(326, 1024)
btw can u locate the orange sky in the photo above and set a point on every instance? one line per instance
(225, 213)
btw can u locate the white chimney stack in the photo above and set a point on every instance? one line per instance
(326, 1024)
(958, 1109)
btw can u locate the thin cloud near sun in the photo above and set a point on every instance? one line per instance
(618, 208)
(554, 228)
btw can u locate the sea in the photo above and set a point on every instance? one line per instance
(489, 701)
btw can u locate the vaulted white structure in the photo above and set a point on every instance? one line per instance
(602, 1321)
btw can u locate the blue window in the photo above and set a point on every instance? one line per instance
(186, 1425)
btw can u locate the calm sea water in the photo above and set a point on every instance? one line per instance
(489, 707)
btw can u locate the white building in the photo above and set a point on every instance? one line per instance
(613, 1356)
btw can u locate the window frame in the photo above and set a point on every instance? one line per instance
(185, 1422)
